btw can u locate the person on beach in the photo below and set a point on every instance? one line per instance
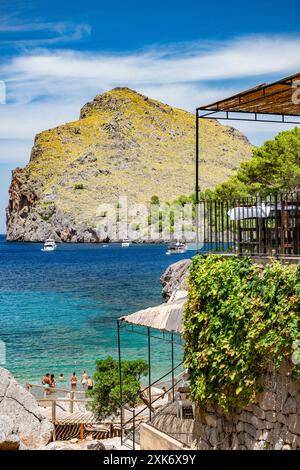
(84, 379)
(46, 380)
(52, 381)
(73, 380)
(61, 377)
(90, 383)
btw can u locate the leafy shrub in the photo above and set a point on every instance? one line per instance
(106, 391)
(78, 186)
(238, 318)
(154, 200)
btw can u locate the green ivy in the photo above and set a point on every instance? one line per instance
(238, 318)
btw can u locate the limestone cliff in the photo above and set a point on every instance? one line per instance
(123, 144)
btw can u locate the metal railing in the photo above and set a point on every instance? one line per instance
(130, 425)
(50, 391)
(259, 226)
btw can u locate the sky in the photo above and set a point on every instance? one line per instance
(54, 57)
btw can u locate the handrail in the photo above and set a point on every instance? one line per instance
(145, 408)
(53, 389)
(67, 400)
(163, 376)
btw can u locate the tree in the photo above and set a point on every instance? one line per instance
(106, 390)
(275, 166)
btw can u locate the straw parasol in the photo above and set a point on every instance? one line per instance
(164, 317)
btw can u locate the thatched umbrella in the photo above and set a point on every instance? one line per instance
(164, 317)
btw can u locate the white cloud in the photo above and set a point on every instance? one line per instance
(15, 152)
(23, 122)
(56, 32)
(247, 57)
(46, 87)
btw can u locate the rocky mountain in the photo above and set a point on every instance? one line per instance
(124, 144)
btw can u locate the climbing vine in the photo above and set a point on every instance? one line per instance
(238, 318)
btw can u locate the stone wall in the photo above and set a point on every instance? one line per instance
(271, 422)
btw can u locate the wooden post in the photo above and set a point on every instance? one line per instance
(54, 419)
(53, 411)
(72, 402)
(81, 431)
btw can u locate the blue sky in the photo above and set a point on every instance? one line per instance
(56, 56)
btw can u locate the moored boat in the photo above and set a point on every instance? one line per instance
(49, 245)
(176, 248)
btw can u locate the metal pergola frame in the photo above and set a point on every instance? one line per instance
(259, 104)
(175, 339)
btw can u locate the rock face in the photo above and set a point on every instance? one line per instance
(124, 144)
(70, 445)
(22, 424)
(272, 422)
(174, 278)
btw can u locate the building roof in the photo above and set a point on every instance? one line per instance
(278, 98)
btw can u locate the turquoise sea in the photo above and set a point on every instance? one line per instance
(58, 310)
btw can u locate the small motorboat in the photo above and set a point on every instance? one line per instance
(125, 243)
(176, 248)
(49, 245)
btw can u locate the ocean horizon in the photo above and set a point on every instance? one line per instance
(58, 310)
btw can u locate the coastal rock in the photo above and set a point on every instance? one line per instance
(22, 424)
(175, 278)
(71, 445)
(96, 445)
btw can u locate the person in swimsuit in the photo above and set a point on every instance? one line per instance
(90, 383)
(61, 377)
(73, 380)
(52, 381)
(84, 379)
(46, 380)
(47, 383)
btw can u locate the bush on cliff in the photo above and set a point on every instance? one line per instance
(106, 390)
(238, 318)
(275, 166)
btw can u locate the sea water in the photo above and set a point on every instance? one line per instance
(58, 310)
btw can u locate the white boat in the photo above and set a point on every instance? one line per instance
(176, 248)
(125, 243)
(49, 245)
